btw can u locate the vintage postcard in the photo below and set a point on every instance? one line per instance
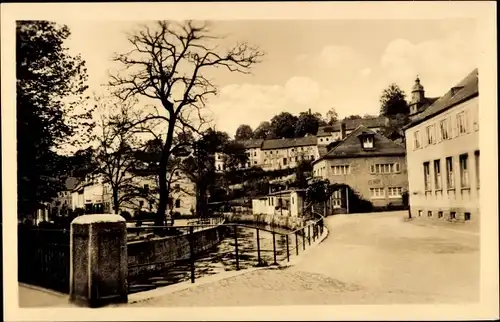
(249, 161)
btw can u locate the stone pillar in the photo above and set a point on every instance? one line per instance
(98, 260)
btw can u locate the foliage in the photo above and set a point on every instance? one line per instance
(168, 63)
(50, 88)
(392, 101)
(307, 123)
(263, 131)
(302, 171)
(331, 116)
(243, 132)
(234, 155)
(283, 125)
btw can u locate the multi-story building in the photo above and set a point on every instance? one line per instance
(287, 153)
(370, 164)
(252, 149)
(443, 155)
(335, 132)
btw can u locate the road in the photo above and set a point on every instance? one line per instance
(373, 258)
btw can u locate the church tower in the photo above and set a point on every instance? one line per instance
(417, 97)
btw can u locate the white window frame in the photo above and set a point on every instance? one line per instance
(461, 123)
(416, 140)
(444, 129)
(394, 192)
(380, 193)
(450, 173)
(464, 172)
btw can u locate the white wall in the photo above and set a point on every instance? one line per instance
(457, 144)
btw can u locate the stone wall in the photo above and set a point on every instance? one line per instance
(272, 220)
(163, 252)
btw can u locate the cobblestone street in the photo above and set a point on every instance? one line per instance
(366, 259)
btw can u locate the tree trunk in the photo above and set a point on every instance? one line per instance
(116, 205)
(162, 174)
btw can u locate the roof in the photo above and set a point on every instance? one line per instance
(322, 150)
(351, 146)
(253, 143)
(283, 192)
(289, 143)
(352, 124)
(469, 89)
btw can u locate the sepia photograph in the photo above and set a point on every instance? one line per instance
(234, 159)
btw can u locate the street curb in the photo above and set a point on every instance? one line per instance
(166, 290)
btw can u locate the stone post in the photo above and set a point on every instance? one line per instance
(98, 260)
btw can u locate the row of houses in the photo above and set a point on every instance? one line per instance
(277, 154)
(438, 164)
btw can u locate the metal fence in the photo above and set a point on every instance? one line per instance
(245, 246)
(43, 257)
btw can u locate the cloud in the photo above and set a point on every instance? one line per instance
(440, 63)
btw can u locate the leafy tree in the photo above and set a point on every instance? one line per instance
(392, 101)
(199, 166)
(302, 172)
(331, 116)
(168, 63)
(263, 131)
(234, 155)
(243, 132)
(283, 125)
(50, 87)
(307, 124)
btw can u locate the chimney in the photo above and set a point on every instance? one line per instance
(310, 112)
(342, 130)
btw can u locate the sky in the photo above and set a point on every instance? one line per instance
(309, 64)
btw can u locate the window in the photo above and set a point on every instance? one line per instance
(431, 134)
(429, 213)
(450, 179)
(467, 216)
(461, 123)
(292, 201)
(453, 215)
(218, 157)
(464, 171)
(177, 203)
(367, 142)
(141, 203)
(284, 161)
(146, 187)
(385, 168)
(312, 157)
(420, 213)
(416, 140)
(443, 129)
(296, 159)
(394, 192)
(437, 175)
(377, 193)
(270, 152)
(321, 140)
(340, 169)
(293, 150)
(427, 177)
(255, 154)
(476, 156)
(255, 162)
(440, 214)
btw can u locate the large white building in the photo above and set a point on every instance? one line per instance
(442, 145)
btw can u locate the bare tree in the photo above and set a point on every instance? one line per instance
(115, 153)
(168, 64)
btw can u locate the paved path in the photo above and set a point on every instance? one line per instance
(366, 259)
(32, 296)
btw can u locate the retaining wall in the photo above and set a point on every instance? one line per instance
(272, 220)
(164, 252)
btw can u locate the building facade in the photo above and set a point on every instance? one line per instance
(443, 155)
(338, 130)
(370, 164)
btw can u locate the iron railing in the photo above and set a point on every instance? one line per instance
(245, 247)
(43, 257)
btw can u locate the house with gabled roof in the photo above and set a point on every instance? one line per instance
(442, 145)
(335, 132)
(370, 164)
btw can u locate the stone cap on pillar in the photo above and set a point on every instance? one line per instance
(97, 218)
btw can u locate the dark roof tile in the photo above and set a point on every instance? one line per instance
(289, 143)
